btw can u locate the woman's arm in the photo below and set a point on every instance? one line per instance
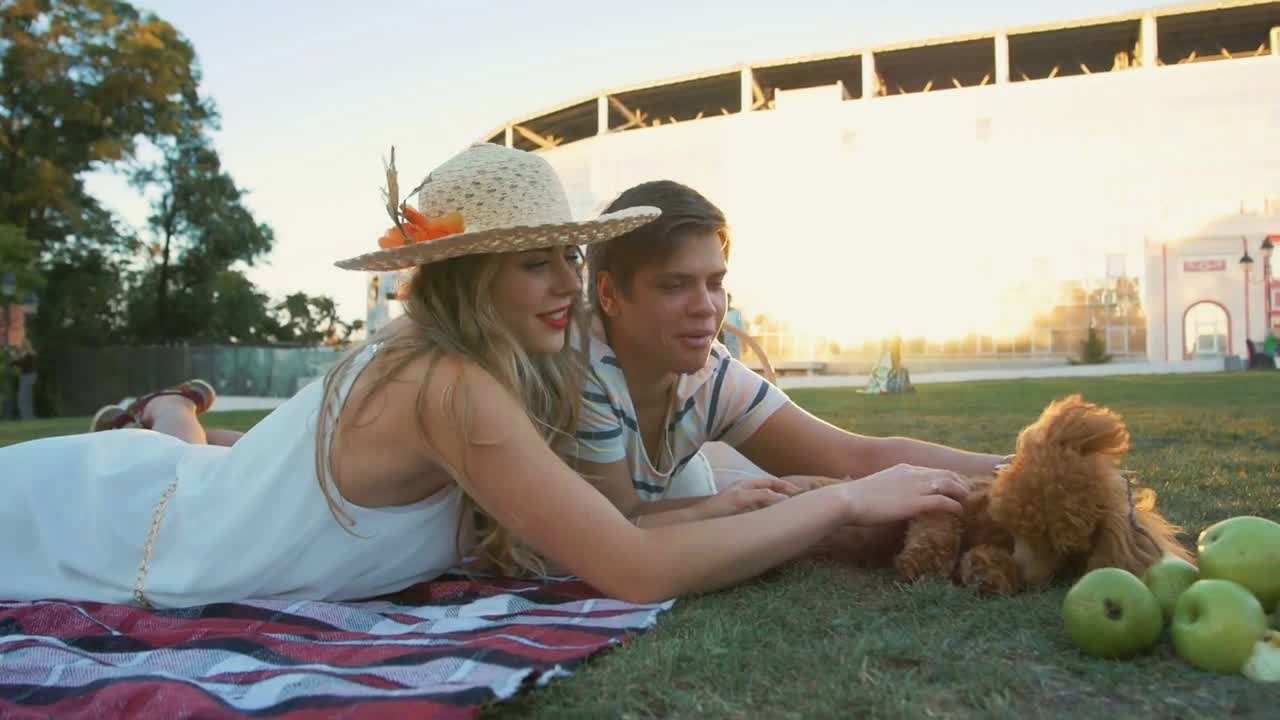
(614, 481)
(509, 470)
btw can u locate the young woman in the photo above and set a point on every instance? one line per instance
(428, 443)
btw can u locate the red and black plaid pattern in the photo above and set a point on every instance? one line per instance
(442, 649)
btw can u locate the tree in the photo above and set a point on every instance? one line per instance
(1093, 351)
(237, 312)
(199, 228)
(81, 304)
(313, 320)
(81, 82)
(86, 85)
(17, 258)
(83, 285)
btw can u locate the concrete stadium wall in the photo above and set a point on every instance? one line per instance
(884, 212)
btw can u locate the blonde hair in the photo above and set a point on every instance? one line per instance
(450, 304)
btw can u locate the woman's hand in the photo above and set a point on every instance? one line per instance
(900, 493)
(745, 496)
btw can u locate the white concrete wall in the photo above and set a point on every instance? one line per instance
(936, 204)
(1160, 334)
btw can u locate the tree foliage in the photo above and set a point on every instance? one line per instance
(98, 85)
(82, 83)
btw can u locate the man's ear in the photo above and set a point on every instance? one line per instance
(607, 292)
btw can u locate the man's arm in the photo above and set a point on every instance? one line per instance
(793, 442)
(613, 480)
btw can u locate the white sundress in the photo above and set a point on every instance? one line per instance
(135, 516)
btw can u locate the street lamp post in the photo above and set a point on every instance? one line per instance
(1246, 264)
(1266, 249)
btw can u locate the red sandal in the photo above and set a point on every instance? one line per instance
(199, 392)
(112, 417)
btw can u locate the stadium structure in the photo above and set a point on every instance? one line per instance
(992, 195)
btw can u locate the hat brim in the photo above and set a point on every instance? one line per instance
(517, 238)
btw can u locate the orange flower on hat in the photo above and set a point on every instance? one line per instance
(420, 228)
(412, 226)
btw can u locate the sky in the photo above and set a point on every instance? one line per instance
(313, 94)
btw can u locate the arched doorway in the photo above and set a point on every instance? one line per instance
(1206, 330)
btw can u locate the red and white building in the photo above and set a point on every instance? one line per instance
(1212, 288)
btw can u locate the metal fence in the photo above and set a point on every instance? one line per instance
(84, 379)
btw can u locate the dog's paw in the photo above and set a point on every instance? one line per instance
(990, 569)
(918, 561)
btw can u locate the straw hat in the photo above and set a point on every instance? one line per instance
(509, 201)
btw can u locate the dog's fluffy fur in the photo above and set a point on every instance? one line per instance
(1062, 508)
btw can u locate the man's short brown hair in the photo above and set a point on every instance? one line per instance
(684, 212)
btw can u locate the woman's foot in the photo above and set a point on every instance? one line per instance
(199, 393)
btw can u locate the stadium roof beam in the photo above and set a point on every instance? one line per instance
(634, 118)
(1220, 34)
(566, 125)
(758, 98)
(957, 84)
(767, 80)
(686, 100)
(968, 63)
(1076, 50)
(544, 142)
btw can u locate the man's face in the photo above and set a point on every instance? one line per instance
(675, 307)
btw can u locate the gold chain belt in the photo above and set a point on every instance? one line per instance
(139, 584)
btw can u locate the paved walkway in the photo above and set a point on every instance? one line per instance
(240, 402)
(1013, 373)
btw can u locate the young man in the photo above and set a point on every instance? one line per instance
(660, 388)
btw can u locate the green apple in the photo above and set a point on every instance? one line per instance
(1264, 664)
(1216, 624)
(1245, 550)
(1109, 613)
(1167, 578)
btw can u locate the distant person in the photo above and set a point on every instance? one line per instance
(26, 365)
(1258, 359)
(733, 317)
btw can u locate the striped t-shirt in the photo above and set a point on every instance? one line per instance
(725, 401)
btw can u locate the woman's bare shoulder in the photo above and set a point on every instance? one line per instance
(437, 390)
(402, 432)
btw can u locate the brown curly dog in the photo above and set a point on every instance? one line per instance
(1062, 508)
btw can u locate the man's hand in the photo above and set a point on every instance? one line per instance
(745, 496)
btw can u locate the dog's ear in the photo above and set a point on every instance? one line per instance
(1081, 426)
(1135, 540)
(1063, 477)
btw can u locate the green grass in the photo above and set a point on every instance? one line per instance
(16, 432)
(820, 640)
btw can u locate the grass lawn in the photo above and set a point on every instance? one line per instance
(819, 640)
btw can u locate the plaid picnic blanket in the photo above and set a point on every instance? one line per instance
(442, 649)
